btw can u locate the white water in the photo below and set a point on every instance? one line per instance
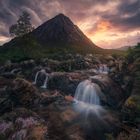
(87, 98)
(36, 76)
(46, 79)
(103, 69)
(45, 82)
(87, 92)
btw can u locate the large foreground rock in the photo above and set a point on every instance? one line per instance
(65, 82)
(24, 93)
(114, 95)
(18, 93)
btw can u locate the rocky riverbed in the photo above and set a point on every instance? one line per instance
(34, 103)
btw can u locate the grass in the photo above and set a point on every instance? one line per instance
(27, 47)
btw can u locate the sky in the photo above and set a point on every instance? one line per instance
(108, 23)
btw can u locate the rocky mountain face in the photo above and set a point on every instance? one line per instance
(61, 29)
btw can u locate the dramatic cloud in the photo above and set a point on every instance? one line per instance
(108, 23)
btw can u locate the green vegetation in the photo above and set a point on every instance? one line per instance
(27, 47)
(132, 105)
(133, 53)
(24, 48)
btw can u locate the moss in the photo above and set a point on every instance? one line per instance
(131, 110)
(133, 102)
(2, 137)
(109, 136)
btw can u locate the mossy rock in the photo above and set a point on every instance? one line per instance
(131, 110)
(133, 102)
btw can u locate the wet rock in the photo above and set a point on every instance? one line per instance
(111, 63)
(65, 82)
(115, 96)
(9, 75)
(127, 84)
(47, 98)
(41, 76)
(28, 64)
(4, 84)
(113, 70)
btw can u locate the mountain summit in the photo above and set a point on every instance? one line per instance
(61, 30)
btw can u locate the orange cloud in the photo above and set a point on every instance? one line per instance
(103, 26)
(100, 31)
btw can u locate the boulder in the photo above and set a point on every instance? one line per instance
(9, 75)
(23, 93)
(114, 94)
(28, 64)
(65, 82)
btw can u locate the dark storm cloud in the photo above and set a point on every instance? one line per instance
(42, 9)
(127, 16)
(11, 9)
(129, 7)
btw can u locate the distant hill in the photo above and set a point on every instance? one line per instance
(57, 35)
(125, 48)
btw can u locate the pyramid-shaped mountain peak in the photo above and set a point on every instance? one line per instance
(61, 30)
(61, 15)
(61, 19)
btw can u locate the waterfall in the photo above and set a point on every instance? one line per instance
(87, 100)
(36, 76)
(87, 104)
(87, 92)
(46, 78)
(45, 82)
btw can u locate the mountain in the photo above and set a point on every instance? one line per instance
(61, 29)
(58, 34)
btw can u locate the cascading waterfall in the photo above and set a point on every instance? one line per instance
(101, 69)
(92, 115)
(46, 78)
(36, 76)
(87, 92)
(87, 98)
(45, 82)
